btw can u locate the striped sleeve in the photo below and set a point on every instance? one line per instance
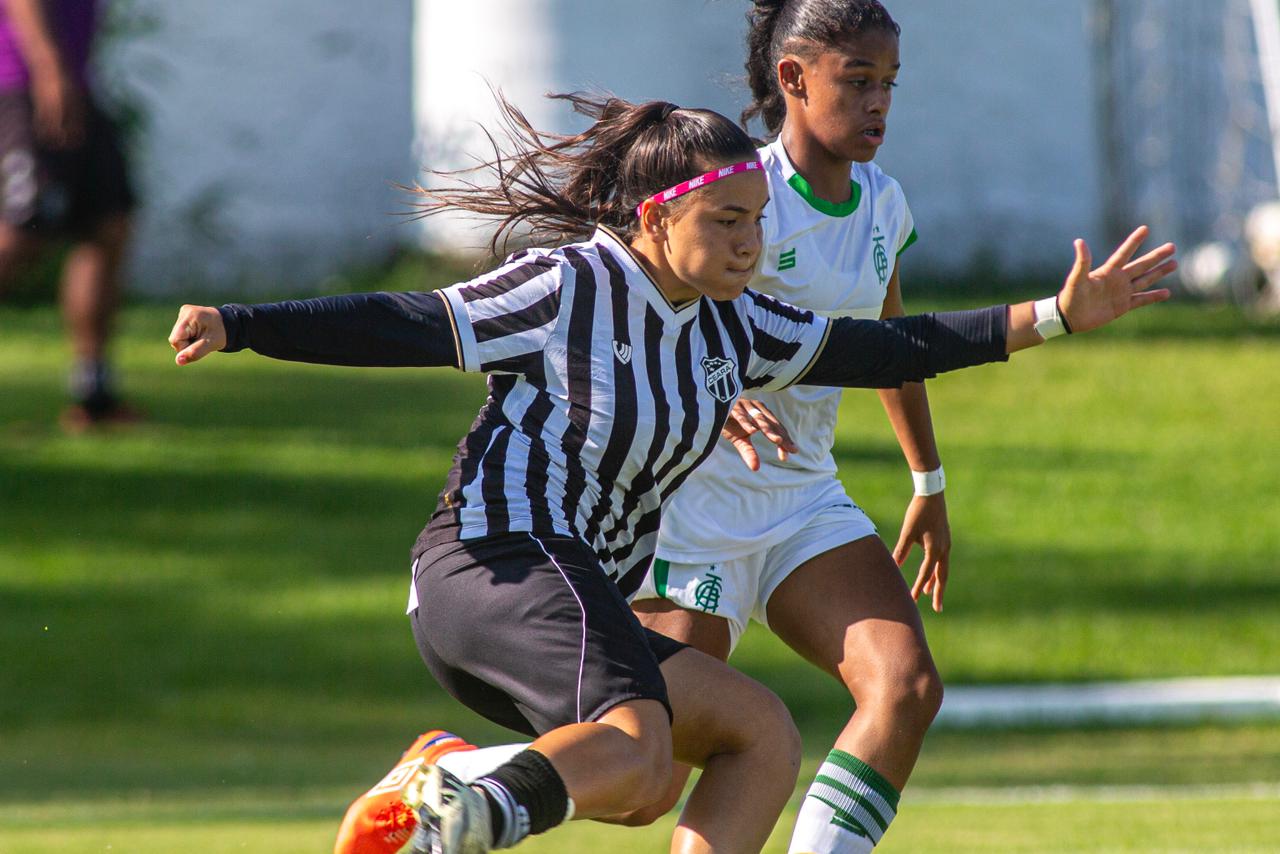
(784, 341)
(502, 320)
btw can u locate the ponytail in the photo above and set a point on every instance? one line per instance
(776, 27)
(766, 97)
(559, 187)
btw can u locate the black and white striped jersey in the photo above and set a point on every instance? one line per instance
(603, 396)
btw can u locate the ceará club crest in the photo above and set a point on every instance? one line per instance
(722, 379)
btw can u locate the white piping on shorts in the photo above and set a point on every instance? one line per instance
(582, 654)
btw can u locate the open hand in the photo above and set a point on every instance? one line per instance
(926, 523)
(198, 332)
(1090, 299)
(751, 416)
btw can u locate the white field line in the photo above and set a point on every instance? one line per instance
(1147, 701)
(1065, 794)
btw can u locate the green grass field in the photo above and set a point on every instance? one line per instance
(203, 647)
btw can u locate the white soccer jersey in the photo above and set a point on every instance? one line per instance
(835, 260)
(603, 395)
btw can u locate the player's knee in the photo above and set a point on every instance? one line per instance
(648, 769)
(908, 689)
(647, 815)
(772, 733)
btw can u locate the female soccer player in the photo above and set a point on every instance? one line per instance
(791, 550)
(613, 363)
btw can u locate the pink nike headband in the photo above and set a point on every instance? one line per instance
(701, 181)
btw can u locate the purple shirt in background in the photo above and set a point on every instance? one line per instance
(73, 23)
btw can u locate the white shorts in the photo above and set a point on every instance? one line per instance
(739, 590)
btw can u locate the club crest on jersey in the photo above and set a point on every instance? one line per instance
(622, 350)
(879, 257)
(721, 381)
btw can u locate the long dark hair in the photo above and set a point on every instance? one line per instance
(803, 27)
(558, 187)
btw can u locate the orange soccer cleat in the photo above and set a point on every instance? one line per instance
(379, 821)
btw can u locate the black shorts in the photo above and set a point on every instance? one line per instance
(529, 632)
(59, 192)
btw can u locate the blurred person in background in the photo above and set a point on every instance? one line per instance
(63, 176)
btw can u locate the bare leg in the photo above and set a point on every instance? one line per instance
(615, 764)
(705, 633)
(743, 738)
(849, 612)
(16, 248)
(91, 288)
(731, 726)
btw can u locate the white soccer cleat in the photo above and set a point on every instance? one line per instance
(453, 818)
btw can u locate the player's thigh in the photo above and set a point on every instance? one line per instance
(849, 611)
(706, 633)
(716, 709)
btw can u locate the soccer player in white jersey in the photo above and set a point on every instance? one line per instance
(613, 362)
(783, 544)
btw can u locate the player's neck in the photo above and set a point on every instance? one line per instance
(827, 174)
(651, 257)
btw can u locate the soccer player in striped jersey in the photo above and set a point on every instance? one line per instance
(613, 363)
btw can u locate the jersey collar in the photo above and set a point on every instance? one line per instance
(638, 278)
(797, 182)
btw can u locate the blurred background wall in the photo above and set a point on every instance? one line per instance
(271, 132)
(992, 132)
(267, 135)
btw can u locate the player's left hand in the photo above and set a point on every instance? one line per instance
(751, 416)
(1093, 298)
(926, 523)
(197, 332)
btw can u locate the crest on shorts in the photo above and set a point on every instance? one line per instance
(721, 381)
(707, 594)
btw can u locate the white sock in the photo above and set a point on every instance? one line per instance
(846, 810)
(467, 765)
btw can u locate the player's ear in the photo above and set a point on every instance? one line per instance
(653, 220)
(791, 78)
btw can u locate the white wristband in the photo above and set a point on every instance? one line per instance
(929, 482)
(1049, 322)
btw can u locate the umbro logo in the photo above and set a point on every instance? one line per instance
(623, 351)
(787, 260)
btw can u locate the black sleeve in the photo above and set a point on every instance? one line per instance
(888, 353)
(382, 329)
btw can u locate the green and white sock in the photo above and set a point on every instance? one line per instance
(846, 810)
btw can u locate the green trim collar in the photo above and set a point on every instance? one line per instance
(801, 186)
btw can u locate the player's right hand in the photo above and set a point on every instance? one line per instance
(198, 332)
(752, 416)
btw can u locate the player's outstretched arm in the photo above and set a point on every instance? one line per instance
(887, 353)
(380, 329)
(1094, 298)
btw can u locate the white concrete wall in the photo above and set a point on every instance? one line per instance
(991, 134)
(274, 129)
